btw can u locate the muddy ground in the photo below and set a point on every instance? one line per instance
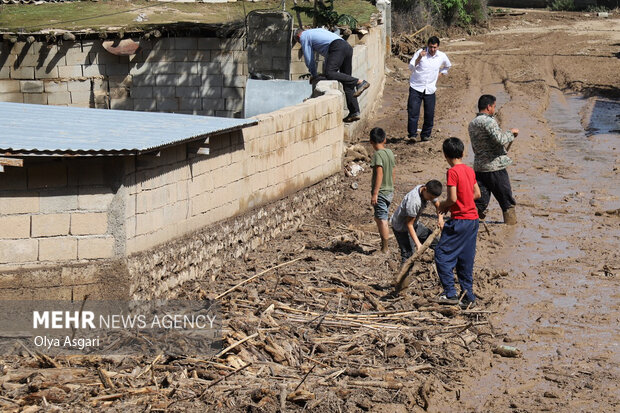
(322, 332)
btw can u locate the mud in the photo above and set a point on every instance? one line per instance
(560, 302)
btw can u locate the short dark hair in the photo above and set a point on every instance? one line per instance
(377, 135)
(485, 100)
(433, 40)
(434, 187)
(298, 33)
(453, 148)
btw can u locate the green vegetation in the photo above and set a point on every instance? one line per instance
(122, 14)
(325, 15)
(562, 5)
(411, 14)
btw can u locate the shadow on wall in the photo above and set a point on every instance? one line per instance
(190, 75)
(269, 44)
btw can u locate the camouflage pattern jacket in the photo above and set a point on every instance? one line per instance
(488, 142)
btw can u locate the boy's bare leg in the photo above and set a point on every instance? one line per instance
(384, 232)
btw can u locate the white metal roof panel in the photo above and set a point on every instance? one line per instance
(30, 129)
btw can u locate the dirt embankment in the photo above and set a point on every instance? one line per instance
(322, 331)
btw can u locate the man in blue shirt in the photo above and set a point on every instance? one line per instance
(338, 56)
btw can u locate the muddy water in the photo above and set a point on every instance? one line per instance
(563, 319)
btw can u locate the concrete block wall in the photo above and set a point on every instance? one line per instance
(204, 76)
(57, 210)
(174, 194)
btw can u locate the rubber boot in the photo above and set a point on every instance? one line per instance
(510, 216)
(384, 245)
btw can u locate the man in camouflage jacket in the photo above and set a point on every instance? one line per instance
(489, 142)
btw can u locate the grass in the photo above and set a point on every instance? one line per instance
(121, 14)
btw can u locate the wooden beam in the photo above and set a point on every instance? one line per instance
(11, 161)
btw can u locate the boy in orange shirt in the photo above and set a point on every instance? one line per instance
(457, 245)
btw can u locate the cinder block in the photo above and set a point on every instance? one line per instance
(17, 251)
(211, 68)
(12, 97)
(122, 104)
(15, 226)
(199, 56)
(235, 81)
(143, 80)
(145, 105)
(210, 80)
(117, 69)
(95, 198)
(59, 98)
(164, 68)
(103, 58)
(141, 68)
(93, 70)
(79, 85)
(58, 249)
(13, 86)
(142, 92)
(46, 72)
(162, 92)
(70, 71)
(93, 248)
(189, 43)
(76, 57)
(187, 92)
(52, 87)
(82, 98)
(212, 93)
(89, 223)
(22, 72)
(232, 92)
(19, 202)
(190, 104)
(186, 68)
(234, 105)
(49, 225)
(168, 104)
(208, 43)
(31, 86)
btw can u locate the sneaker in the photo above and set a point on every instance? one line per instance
(466, 303)
(411, 138)
(352, 117)
(425, 138)
(360, 88)
(444, 299)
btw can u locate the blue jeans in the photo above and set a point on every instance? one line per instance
(406, 244)
(383, 205)
(413, 113)
(457, 248)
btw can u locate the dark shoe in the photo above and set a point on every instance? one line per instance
(360, 88)
(481, 215)
(466, 303)
(444, 299)
(425, 138)
(412, 138)
(352, 117)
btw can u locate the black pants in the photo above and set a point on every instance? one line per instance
(413, 113)
(338, 66)
(498, 184)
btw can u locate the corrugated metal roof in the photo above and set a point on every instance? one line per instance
(55, 130)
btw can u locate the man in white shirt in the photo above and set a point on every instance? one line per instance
(426, 66)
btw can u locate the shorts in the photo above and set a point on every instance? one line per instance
(383, 205)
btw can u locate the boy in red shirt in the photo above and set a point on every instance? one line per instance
(457, 245)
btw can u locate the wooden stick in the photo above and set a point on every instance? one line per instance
(238, 343)
(404, 270)
(105, 379)
(225, 377)
(225, 293)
